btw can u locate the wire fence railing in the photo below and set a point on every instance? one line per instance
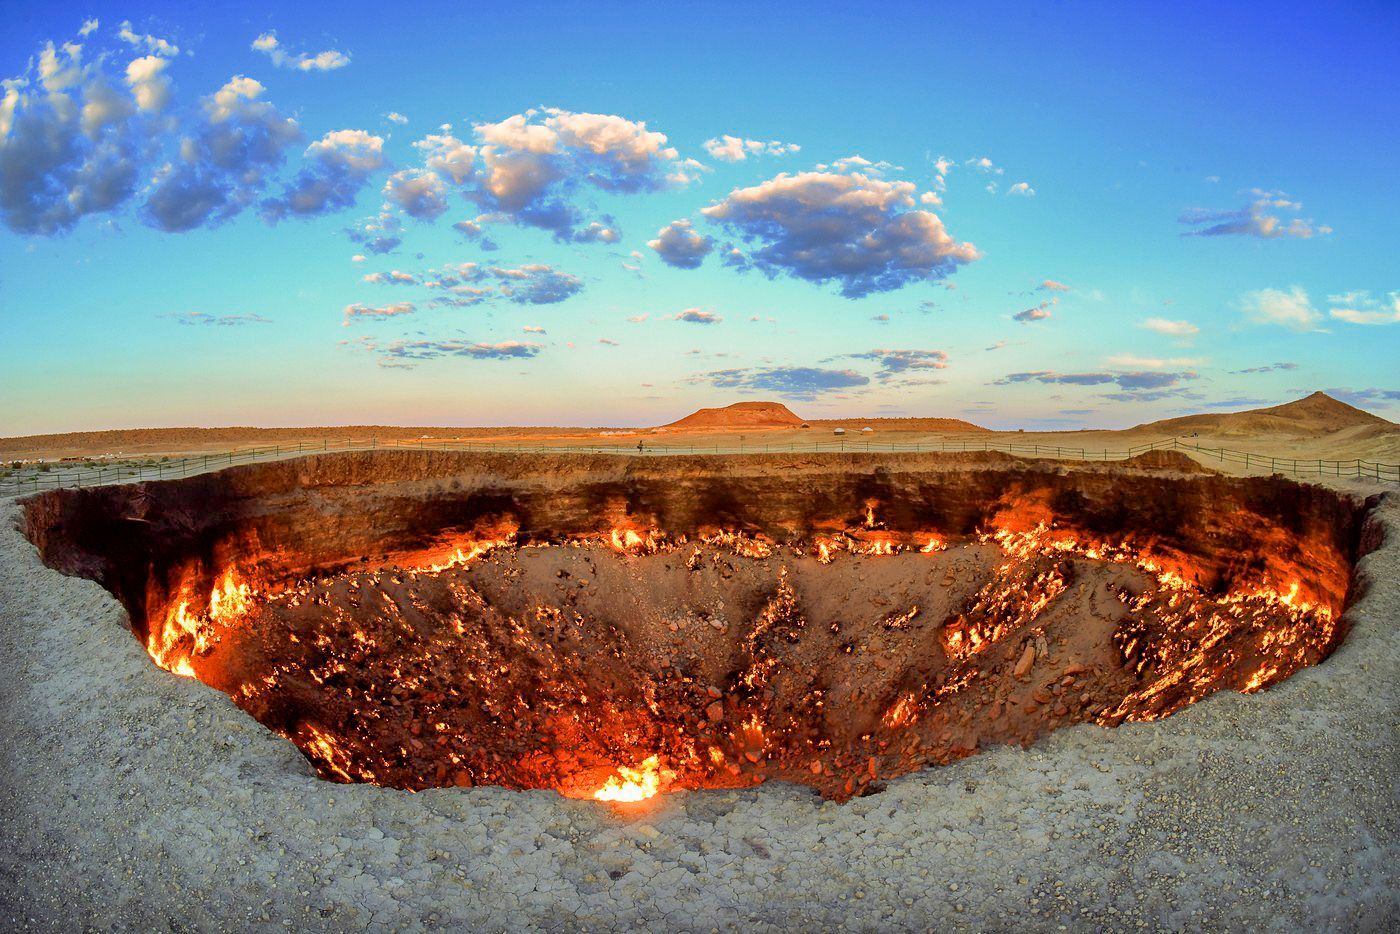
(55, 475)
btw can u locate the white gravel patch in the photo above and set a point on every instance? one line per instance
(132, 799)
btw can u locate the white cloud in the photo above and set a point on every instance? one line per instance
(1361, 308)
(1291, 309)
(1259, 218)
(1021, 188)
(736, 149)
(393, 277)
(1037, 312)
(394, 116)
(356, 311)
(679, 245)
(1050, 285)
(526, 168)
(857, 231)
(418, 193)
(338, 166)
(152, 44)
(149, 85)
(1183, 329)
(269, 45)
(224, 162)
(697, 316)
(1135, 362)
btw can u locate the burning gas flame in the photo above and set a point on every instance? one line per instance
(469, 551)
(185, 633)
(636, 784)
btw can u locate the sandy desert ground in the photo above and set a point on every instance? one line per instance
(1316, 427)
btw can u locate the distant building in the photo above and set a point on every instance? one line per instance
(839, 431)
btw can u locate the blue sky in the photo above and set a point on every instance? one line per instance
(1030, 215)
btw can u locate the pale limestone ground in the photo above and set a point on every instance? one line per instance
(134, 800)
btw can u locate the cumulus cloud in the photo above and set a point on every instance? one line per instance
(598, 232)
(697, 316)
(1023, 189)
(532, 329)
(728, 148)
(1291, 309)
(338, 166)
(856, 231)
(1036, 312)
(418, 193)
(797, 382)
(1050, 285)
(394, 116)
(1362, 308)
(71, 144)
(79, 135)
(150, 87)
(381, 311)
(1258, 218)
(983, 164)
(1182, 329)
(537, 284)
(679, 245)
(225, 162)
(527, 168)
(897, 364)
(269, 45)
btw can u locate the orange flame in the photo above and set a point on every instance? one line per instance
(636, 784)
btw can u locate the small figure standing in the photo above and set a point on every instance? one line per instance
(639, 447)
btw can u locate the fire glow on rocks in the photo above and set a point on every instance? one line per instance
(620, 663)
(669, 663)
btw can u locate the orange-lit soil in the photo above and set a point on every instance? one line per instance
(589, 645)
(551, 667)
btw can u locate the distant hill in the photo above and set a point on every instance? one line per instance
(741, 415)
(1318, 413)
(897, 424)
(777, 415)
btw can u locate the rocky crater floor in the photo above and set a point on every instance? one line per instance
(132, 798)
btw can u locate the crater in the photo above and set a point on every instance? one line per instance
(614, 627)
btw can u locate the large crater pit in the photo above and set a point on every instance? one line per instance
(611, 627)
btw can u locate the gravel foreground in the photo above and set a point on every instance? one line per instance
(134, 800)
